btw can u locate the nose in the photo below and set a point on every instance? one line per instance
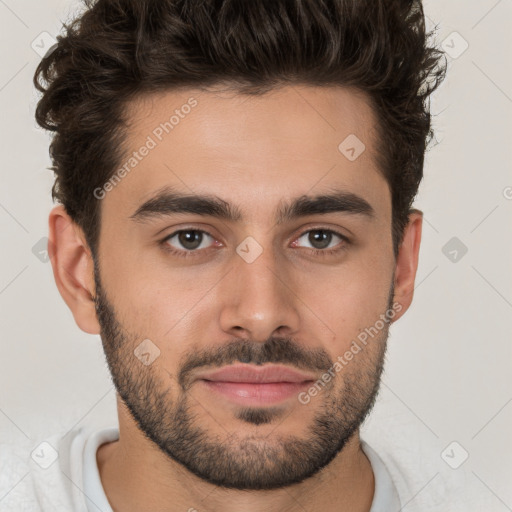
(259, 299)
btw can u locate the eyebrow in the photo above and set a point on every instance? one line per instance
(167, 202)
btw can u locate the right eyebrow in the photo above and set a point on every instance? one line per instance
(166, 202)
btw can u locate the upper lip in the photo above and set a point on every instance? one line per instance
(255, 374)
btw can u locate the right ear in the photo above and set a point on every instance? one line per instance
(73, 268)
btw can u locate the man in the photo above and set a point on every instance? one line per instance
(235, 183)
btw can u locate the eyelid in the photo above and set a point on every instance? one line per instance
(323, 227)
(344, 238)
(178, 231)
(186, 253)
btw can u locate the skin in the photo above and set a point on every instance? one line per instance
(255, 153)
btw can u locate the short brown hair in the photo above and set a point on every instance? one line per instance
(118, 49)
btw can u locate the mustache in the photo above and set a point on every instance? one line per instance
(274, 350)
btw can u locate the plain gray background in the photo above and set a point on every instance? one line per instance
(448, 375)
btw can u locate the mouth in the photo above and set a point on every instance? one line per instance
(250, 385)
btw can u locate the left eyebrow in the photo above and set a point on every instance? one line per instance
(167, 202)
(337, 201)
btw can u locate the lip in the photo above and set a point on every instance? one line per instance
(251, 374)
(256, 386)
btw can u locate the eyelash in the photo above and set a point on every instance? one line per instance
(192, 253)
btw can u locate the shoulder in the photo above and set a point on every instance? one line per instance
(426, 479)
(42, 474)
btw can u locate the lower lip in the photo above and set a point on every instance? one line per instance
(245, 393)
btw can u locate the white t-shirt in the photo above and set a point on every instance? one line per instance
(61, 474)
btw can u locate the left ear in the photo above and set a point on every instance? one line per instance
(407, 262)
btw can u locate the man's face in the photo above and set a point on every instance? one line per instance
(254, 288)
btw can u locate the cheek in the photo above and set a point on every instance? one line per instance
(158, 302)
(347, 301)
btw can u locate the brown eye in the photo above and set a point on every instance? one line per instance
(188, 239)
(320, 239)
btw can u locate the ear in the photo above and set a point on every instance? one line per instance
(407, 262)
(73, 268)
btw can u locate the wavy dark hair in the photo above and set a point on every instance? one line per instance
(116, 50)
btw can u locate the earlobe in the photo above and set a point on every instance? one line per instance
(407, 262)
(73, 268)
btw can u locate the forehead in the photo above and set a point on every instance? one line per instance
(252, 150)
